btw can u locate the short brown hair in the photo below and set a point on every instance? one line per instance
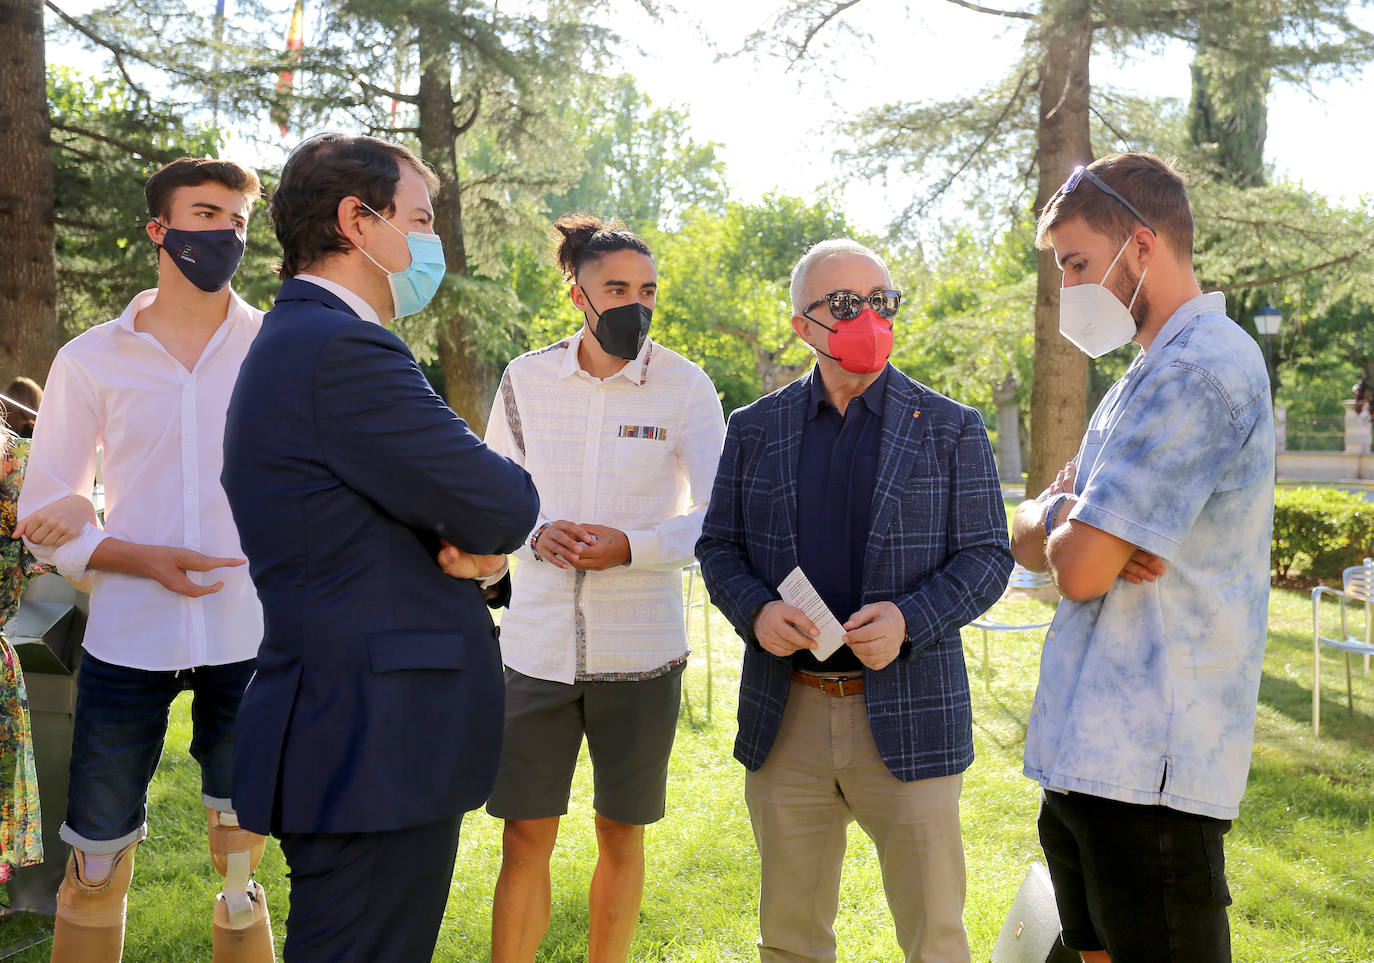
(192, 172)
(27, 393)
(581, 238)
(320, 173)
(1155, 186)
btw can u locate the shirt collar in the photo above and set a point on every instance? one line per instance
(872, 397)
(239, 309)
(635, 372)
(1213, 302)
(360, 307)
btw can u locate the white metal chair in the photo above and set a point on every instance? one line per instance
(1023, 580)
(1357, 587)
(703, 603)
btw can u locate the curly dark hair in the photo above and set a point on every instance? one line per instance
(320, 173)
(585, 237)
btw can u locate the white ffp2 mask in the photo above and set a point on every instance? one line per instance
(1093, 318)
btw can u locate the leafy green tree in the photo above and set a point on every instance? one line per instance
(642, 163)
(1035, 124)
(724, 300)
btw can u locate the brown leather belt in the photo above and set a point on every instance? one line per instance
(830, 685)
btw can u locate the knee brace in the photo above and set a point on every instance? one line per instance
(243, 929)
(90, 915)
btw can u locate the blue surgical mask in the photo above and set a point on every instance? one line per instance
(413, 288)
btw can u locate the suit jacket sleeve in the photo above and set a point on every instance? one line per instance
(388, 436)
(974, 574)
(735, 587)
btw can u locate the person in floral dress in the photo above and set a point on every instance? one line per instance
(21, 840)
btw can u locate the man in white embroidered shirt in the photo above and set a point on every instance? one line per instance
(622, 438)
(151, 388)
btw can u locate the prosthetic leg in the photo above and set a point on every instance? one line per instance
(243, 931)
(90, 914)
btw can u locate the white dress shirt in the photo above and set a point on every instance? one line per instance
(636, 451)
(162, 431)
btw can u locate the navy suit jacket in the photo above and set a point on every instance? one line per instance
(378, 698)
(937, 548)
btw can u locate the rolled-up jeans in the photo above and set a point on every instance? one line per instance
(120, 727)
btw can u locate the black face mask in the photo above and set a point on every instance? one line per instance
(207, 258)
(622, 330)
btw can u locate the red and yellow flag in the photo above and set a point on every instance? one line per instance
(294, 35)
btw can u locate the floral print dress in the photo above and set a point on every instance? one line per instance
(21, 841)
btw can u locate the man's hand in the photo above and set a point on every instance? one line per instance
(609, 547)
(57, 523)
(783, 629)
(1142, 566)
(457, 563)
(875, 633)
(1063, 482)
(563, 542)
(169, 566)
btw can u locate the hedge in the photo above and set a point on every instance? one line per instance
(1320, 531)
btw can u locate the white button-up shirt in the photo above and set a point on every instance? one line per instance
(162, 431)
(636, 451)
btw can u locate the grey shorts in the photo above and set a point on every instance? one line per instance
(629, 727)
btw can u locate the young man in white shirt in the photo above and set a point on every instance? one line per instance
(622, 438)
(150, 389)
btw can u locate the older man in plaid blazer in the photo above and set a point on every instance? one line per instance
(885, 494)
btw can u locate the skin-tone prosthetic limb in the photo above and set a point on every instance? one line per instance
(243, 931)
(90, 911)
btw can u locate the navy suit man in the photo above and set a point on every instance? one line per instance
(375, 524)
(885, 494)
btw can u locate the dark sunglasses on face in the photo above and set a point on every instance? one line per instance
(846, 305)
(1081, 172)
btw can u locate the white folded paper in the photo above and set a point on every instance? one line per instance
(797, 590)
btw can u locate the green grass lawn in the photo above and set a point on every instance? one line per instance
(1300, 858)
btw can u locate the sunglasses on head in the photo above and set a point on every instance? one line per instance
(846, 305)
(1081, 172)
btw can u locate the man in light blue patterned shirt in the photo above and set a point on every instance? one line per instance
(1157, 535)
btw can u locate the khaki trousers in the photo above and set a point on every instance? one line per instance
(822, 772)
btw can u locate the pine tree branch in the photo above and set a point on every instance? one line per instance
(1279, 278)
(119, 52)
(972, 155)
(139, 150)
(1013, 14)
(817, 27)
(461, 128)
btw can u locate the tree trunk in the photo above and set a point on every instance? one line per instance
(28, 265)
(1059, 373)
(469, 383)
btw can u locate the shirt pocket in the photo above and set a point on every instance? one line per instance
(638, 464)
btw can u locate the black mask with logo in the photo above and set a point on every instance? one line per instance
(208, 259)
(621, 331)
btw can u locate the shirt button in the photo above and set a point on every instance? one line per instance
(190, 491)
(185, 387)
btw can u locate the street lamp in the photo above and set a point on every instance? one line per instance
(1267, 322)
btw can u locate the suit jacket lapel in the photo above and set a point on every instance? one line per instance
(789, 419)
(903, 433)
